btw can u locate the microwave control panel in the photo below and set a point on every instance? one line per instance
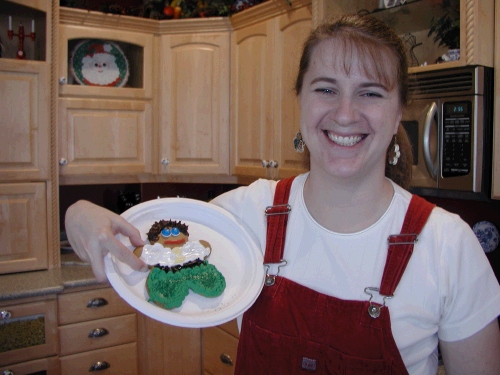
(457, 134)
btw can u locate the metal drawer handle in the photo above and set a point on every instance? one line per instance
(98, 332)
(5, 314)
(99, 366)
(97, 302)
(7, 372)
(226, 359)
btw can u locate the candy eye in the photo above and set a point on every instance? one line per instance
(175, 231)
(166, 232)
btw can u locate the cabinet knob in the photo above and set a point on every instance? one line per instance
(99, 366)
(265, 163)
(97, 302)
(273, 164)
(165, 161)
(7, 372)
(63, 162)
(5, 314)
(98, 332)
(226, 359)
(63, 81)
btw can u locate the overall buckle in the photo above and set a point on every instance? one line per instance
(271, 278)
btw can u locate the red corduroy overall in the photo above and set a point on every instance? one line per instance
(292, 329)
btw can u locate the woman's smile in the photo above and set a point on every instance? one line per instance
(347, 141)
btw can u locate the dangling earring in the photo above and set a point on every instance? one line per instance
(298, 143)
(397, 153)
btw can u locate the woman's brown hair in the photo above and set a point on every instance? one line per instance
(369, 37)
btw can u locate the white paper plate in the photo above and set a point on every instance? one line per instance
(234, 252)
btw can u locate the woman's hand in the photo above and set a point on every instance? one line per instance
(91, 232)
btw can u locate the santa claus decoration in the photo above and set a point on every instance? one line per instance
(99, 63)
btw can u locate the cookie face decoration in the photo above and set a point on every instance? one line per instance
(178, 265)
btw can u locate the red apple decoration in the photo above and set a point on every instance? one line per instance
(169, 11)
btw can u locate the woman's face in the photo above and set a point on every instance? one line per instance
(347, 119)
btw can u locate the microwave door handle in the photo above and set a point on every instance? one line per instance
(432, 166)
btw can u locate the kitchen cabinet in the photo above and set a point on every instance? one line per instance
(220, 345)
(265, 117)
(25, 109)
(28, 186)
(495, 190)
(167, 349)
(194, 103)
(170, 119)
(24, 235)
(97, 331)
(105, 130)
(28, 335)
(412, 19)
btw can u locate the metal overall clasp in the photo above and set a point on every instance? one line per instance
(271, 278)
(374, 310)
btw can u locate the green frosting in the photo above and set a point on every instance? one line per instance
(170, 288)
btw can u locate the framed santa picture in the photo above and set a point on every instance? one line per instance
(96, 62)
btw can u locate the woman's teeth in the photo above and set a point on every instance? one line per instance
(344, 141)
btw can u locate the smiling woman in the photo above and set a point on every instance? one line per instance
(352, 290)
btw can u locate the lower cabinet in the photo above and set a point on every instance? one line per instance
(97, 332)
(23, 206)
(219, 349)
(28, 337)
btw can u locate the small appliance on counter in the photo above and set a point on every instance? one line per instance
(449, 123)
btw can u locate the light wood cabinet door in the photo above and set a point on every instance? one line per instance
(104, 136)
(167, 349)
(265, 111)
(194, 104)
(25, 120)
(23, 227)
(292, 30)
(29, 333)
(251, 95)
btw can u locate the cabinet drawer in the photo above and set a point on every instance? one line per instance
(90, 305)
(219, 348)
(49, 366)
(29, 333)
(119, 360)
(95, 334)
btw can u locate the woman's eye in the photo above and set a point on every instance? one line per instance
(166, 232)
(175, 232)
(372, 94)
(325, 91)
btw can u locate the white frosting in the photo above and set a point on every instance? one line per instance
(166, 256)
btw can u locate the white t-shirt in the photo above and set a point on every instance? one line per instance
(448, 289)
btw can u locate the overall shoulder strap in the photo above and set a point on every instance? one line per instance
(277, 218)
(401, 245)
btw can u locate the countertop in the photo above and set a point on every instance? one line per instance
(73, 273)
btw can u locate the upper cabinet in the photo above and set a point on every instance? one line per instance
(194, 103)
(265, 48)
(25, 90)
(412, 20)
(105, 98)
(141, 99)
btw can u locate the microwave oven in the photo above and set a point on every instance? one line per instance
(449, 123)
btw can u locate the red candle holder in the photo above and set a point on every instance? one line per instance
(21, 55)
